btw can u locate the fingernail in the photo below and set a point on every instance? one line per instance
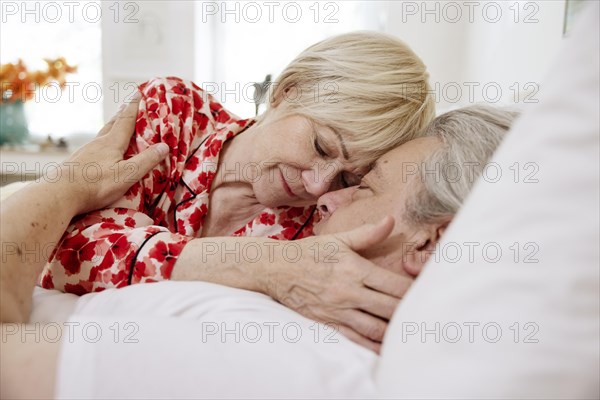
(137, 96)
(162, 149)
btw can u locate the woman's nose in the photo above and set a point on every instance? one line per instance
(315, 183)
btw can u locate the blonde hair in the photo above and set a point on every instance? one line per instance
(370, 87)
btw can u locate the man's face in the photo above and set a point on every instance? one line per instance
(383, 191)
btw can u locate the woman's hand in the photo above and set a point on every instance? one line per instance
(323, 279)
(331, 283)
(96, 175)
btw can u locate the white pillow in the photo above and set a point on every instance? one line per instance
(554, 301)
(200, 340)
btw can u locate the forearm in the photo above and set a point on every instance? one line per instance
(244, 263)
(26, 239)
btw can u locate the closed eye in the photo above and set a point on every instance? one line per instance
(319, 148)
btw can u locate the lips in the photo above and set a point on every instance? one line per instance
(286, 187)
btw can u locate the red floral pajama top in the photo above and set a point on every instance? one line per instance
(139, 238)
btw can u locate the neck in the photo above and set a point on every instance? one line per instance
(235, 155)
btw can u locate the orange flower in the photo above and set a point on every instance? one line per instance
(17, 83)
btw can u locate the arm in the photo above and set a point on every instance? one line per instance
(39, 213)
(323, 278)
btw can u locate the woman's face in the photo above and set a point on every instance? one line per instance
(297, 161)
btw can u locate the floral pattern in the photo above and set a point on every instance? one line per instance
(139, 238)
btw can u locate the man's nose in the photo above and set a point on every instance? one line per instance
(330, 202)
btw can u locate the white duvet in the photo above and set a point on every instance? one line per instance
(221, 342)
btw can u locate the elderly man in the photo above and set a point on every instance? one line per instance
(403, 183)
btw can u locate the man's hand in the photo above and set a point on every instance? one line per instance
(97, 174)
(339, 286)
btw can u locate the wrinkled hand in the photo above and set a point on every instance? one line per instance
(97, 172)
(340, 286)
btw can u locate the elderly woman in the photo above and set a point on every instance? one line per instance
(335, 109)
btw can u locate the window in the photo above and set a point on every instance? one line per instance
(253, 39)
(36, 30)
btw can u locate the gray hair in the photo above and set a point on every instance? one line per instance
(469, 137)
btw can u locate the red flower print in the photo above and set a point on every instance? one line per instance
(177, 104)
(196, 219)
(294, 212)
(288, 233)
(201, 121)
(180, 88)
(215, 107)
(80, 289)
(162, 251)
(119, 279)
(223, 117)
(107, 261)
(198, 102)
(192, 163)
(151, 92)
(140, 126)
(120, 245)
(73, 252)
(151, 106)
(205, 179)
(47, 282)
(169, 138)
(267, 218)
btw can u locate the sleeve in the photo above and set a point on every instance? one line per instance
(132, 241)
(110, 249)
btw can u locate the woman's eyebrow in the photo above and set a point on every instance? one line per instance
(341, 140)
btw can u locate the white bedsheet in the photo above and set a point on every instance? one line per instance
(221, 342)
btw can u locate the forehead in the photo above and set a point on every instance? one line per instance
(396, 163)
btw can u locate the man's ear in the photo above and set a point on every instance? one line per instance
(419, 252)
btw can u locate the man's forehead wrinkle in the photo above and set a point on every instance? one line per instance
(376, 168)
(375, 178)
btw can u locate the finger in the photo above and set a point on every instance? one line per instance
(360, 339)
(124, 126)
(110, 123)
(139, 165)
(378, 304)
(367, 325)
(368, 235)
(387, 282)
(106, 128)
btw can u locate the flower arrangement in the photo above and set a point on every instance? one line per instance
(19, 84)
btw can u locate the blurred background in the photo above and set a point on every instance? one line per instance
(476, 51)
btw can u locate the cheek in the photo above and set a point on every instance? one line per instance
(341, 221)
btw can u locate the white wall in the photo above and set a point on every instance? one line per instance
(481, 51)
(144, 40)
(467, 46)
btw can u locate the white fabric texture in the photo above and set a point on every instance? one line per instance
(51, 305)
(200, 340)
(555, 300)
